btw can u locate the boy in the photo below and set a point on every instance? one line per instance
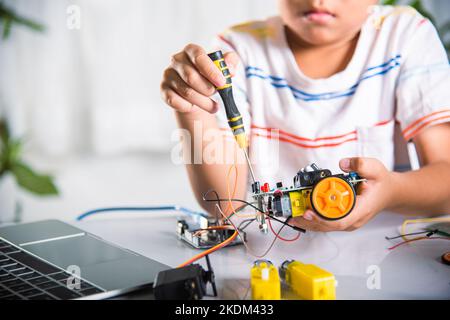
(333, 76)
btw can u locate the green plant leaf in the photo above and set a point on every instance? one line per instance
(8, 17)
(2, 163)
(390, 2)
(4, 131)
(14, 149)
(7, 23)
(29, 23)
(3, 159)
(33, 182)
(4, 137)
(10, 149)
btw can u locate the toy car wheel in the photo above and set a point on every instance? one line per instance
(333, 198)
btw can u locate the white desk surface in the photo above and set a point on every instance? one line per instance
(411, 271)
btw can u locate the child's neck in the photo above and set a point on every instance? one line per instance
(322, 61)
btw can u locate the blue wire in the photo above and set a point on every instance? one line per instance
(162, 208)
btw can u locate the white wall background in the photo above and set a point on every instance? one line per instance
(97, 88)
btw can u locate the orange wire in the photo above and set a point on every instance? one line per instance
(210, 250)
(230, 206)
(230, 203)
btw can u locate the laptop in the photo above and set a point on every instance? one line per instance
(53, 260)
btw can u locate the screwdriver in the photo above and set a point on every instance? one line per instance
(233, 115)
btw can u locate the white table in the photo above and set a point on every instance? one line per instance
(412, 271)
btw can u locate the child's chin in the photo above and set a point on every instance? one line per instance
(318, 36)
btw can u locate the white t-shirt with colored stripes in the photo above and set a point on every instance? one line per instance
(399, 73)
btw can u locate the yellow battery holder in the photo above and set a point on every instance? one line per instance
(309, 281)
(265, 281)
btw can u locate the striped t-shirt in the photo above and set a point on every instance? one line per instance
(399, 74)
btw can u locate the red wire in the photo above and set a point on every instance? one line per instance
(280, 237)
(416, 239)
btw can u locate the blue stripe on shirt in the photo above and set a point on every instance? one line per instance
(279, 82)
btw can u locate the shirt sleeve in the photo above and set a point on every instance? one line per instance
(423, 88)
(226, 44)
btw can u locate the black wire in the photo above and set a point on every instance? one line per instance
(218, 200)
(247, 222)
(287, 224)
(235, 200)
(244, 224)
(429, 233)
(217, 197)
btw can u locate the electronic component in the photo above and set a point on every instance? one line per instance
(331, 196)
(265, 281)
(185, 283)
(205, 233)
(308, 281)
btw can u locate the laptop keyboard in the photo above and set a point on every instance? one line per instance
(25, 277)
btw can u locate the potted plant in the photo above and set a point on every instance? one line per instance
(14, 172)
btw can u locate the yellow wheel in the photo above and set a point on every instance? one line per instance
(333, 198)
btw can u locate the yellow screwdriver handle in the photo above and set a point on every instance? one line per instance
(226, 93)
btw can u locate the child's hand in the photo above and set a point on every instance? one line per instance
(374, 196)
(191, 78)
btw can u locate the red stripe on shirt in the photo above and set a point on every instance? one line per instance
(426, 124)
(269, 129)
(421, 22)
(420, 120)
(301, 144)
(382, 123)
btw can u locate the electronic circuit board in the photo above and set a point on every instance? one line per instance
(331, 196)
(195, 232)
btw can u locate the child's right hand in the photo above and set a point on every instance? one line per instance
(191, 78)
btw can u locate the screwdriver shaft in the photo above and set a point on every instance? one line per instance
(234, 117)
(249, 165)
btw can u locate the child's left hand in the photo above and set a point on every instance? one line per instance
(373, 197)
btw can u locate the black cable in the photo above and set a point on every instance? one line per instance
(235, 200)
(210, 273)
(429, 233)
(247, 222)
(218, 200)
(287, 224)
(216, 194)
